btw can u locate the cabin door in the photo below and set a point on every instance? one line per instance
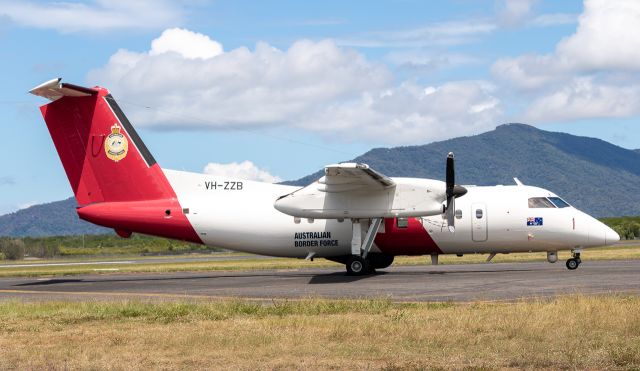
(479, 222)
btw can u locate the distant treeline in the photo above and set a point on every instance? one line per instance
(105, 244)
(628, 227)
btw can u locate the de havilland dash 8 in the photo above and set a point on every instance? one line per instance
(353, 214)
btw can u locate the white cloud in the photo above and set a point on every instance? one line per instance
(553, 19)
(245, 170)
(96, 15)
(584, 99)
(606, 37)
(591, 73)
(509, 13)
(515, 12)
(422, 61)
(444, 33)
(531, 71)
(190, 45)
(410, 113)
(603, 41)
(315, 86)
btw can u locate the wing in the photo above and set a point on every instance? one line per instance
(356, 191)
(351, 177)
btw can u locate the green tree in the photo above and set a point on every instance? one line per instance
(12, 249)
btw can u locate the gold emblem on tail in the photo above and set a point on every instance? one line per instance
(116, 144)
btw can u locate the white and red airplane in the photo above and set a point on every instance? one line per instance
(352, 215)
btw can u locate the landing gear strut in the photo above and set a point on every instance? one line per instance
(575, 261)
(358, 262)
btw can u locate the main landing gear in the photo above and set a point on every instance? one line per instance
(575, 261)
(361, 261)
(358, 266)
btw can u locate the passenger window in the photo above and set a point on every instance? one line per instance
(560, 203)
(458, 214)
(402, 222)
(540, 203)
(478, 213)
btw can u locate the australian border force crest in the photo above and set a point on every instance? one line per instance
(116, 144)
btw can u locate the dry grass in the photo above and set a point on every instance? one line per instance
(570, 332)
(605, 253)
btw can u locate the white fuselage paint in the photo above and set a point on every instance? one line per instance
(242, 217)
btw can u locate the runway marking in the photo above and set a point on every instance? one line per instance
(62, 264)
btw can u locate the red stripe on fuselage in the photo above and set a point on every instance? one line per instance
(163, 218)
(412, 240)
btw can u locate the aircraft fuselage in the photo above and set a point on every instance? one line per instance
(239, 215)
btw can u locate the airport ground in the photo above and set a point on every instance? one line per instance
(236, 311)
(227, 261)
(569, 332)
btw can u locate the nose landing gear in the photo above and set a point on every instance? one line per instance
(575, 261)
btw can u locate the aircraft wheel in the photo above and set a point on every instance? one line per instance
(573, 263)
(357, 266)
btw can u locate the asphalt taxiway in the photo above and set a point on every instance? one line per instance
(146, 260)
(468, 282)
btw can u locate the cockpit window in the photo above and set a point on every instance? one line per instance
(540, 203)
(560, 203)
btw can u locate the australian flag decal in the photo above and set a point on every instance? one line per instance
(534, 221)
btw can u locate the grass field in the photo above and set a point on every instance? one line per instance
(601, 332)
(609, 253)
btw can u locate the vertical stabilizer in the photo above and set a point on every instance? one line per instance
(103, 156)
(114, 177)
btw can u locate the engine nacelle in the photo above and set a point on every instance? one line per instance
(552, 256)
(406, 198)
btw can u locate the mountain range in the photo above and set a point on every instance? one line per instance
(595, 176)
(50, 219)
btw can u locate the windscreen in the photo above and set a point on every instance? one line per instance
(540, 203)
(560, 203)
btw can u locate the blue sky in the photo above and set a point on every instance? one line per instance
(275, 90)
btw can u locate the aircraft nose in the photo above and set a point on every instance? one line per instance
(600, 234)
(611, 236)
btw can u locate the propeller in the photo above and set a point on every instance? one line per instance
(453, 191)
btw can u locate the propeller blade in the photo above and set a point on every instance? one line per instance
(451, 215)
(450, 175)
(450, 190)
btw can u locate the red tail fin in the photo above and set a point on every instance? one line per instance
(114, 177)
(102, 154)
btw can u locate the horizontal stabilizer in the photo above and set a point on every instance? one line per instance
(55, 89)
